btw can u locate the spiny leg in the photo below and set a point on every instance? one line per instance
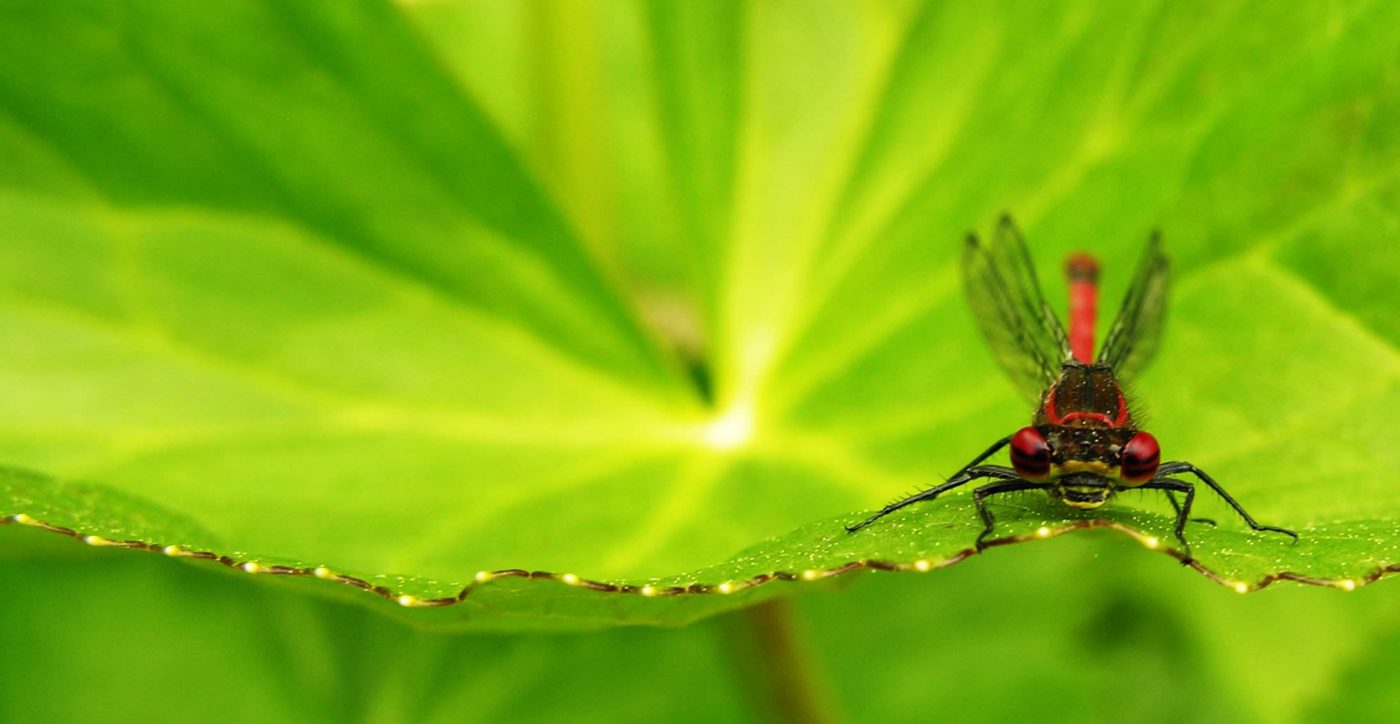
(1185, 467)
(999, 444)
(1003, 486)
(1177, 507)
(967, 476)
(1182, 511)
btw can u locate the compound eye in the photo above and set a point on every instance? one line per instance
(1140, 458)
(1030, 454)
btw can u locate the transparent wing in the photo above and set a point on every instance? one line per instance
(1132, 340)
(1001, 285)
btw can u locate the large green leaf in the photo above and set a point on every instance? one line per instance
(1075, 626)
(104, 638)
(1075, 631)
(395, 295)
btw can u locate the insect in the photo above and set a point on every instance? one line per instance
(1082, 446)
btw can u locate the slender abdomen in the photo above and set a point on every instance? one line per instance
(1083, 274)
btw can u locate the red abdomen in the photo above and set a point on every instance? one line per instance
(1083, 274)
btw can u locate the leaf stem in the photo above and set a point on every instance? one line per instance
(776, 666)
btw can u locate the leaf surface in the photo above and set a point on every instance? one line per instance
(408, 293)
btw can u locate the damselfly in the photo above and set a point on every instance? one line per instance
(1082, 446)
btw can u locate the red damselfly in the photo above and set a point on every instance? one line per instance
(1082, 446)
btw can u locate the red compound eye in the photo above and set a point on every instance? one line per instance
(1140, 458)
(1030, 454)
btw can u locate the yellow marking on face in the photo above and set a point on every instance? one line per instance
(1097, 467)
(1094, 490)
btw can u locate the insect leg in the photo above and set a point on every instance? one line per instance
(1182, 511)
(963, 478)
(1002, 486)
(1184, 467)
(999, 444)
(1177, 507)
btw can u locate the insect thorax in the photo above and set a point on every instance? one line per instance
(1084, 396)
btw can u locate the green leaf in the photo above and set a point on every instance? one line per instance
(401, 294)
(1366, 687)
(1084, 629)
(152, 642)
(1066, 617)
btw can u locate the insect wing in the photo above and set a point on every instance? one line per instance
(1006, 300)
(1132, 340)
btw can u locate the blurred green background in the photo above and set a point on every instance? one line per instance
(624, 288)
